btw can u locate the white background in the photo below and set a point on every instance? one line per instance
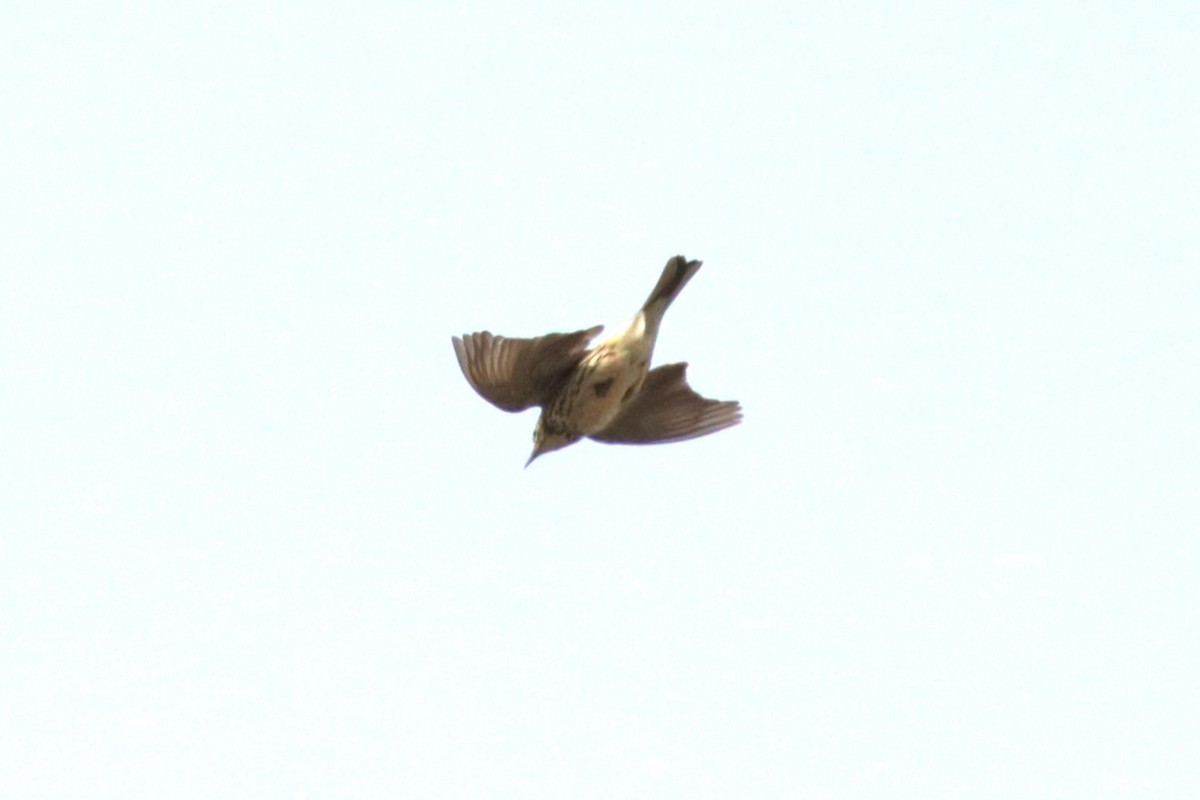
(260, 538)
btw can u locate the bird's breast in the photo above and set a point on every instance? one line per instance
(612, 379)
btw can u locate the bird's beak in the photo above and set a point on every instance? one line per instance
(532, 456)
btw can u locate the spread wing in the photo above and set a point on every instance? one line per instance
(515, 374)
(668, 410)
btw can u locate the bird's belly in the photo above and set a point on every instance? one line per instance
(611, 385)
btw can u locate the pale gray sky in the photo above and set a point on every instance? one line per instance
(260, 538)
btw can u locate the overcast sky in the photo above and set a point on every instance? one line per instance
(259, 538)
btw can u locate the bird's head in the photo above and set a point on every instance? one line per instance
(547, 438)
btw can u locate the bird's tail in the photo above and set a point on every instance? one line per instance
(675, 276)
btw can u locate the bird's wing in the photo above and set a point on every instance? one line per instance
(668, 410)
(515, 374)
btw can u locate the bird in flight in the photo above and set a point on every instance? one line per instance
(607, 393)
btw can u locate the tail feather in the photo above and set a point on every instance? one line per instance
(675, 276)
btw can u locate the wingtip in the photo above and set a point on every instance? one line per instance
(460, 352)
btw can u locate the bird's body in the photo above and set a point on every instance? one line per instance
(608, 392)
(608, 374)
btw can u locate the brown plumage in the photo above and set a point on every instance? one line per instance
(606, 393)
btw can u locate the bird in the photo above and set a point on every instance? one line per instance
(607, 393)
